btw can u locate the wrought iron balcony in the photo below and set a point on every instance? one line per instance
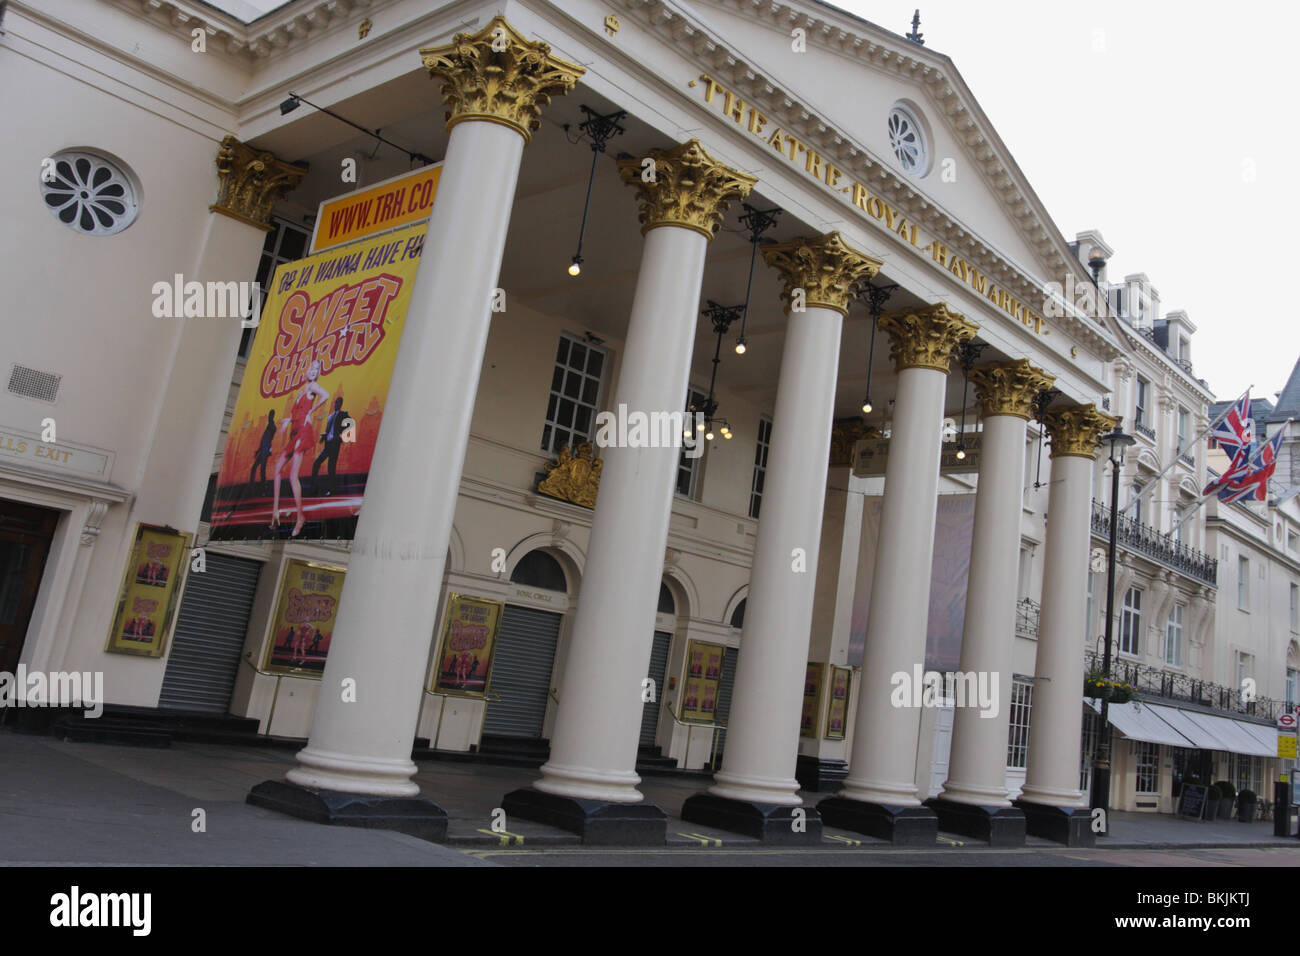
(1184, 457)
(1027, 618)
(1142, 428)
(1171, 685)
(1162, 548)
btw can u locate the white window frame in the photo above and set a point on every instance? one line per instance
(1174, 636)
(1292, 685)
(1087, 629)
(1140, 401)
(551, 426)
(1130, 623)
(1146, 764)
(1295, 607)
(1022, 702)
(1243, 583)
(691, 466)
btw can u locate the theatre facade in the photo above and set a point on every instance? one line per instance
(587, 208)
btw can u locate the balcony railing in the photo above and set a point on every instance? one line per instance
(1184, 457)
(1142, 428)
(1155, 682)
(1027, 618)
(1163, 548)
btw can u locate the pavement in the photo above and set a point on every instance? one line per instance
(88, 804)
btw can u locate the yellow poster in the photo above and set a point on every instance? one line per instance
(469, 640)
(151, 584)
(812, 699)
(303, 432)
(703, 679)
(304, 618)
(1286, 747)
(837, 711)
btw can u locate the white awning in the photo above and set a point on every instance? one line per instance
(1136, 721)
(1239, 735)
(1162, 724)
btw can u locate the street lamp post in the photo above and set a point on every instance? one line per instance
(1118, 441)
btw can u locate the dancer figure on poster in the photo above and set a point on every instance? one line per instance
(333, 439)
(301, 439)
(300, 638)
(264, 448)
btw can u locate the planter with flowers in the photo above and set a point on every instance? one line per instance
(1103, 687)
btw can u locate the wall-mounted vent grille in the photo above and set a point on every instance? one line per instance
(33, 384)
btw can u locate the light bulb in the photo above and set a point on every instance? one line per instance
(727, 434)
(708, 436)
(575, 268)
(740, 347)
(866, 406)
(700, 427)
(961, 454)
(686, 433)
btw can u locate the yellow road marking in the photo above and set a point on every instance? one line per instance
(505, 835)
(704, 841)
(841, 839)
(950, 842)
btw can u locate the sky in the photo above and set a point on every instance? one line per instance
(1172, 129)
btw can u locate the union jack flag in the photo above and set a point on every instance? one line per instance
(1233, 433)
(1253, 484)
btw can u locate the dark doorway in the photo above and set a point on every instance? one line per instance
(25, 536)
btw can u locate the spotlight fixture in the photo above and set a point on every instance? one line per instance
(289, 105)
(757, 221)
(876, 296)
(601, 129)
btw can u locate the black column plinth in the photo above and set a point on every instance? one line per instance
(1071, 826)
(418, 816)
(772, 823)
(903, 826)
(598, 822)
(819, 773)
(1000, 826)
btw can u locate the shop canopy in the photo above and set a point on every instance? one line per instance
(1176, 727)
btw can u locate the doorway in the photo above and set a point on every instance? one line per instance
(25, 536)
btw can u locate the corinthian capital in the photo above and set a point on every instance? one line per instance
(690, 188)
(1009, 388)
(926, 337)
(826, 268)
(249, 182)
(497, 76)
(1076, 429)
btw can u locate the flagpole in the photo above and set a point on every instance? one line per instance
(1154, 482)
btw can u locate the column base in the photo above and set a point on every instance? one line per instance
(598, 822)
(820, 773)
(418, 816)
(768, 822)
(903, 826)
(1071, 826)
(1000, 826)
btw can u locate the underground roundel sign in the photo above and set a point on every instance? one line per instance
(1286, 721)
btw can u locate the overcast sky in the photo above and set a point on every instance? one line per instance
(1171, 128)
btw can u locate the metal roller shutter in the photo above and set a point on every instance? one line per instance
(658, 668)
(521, 672)
(725, 687)
(209, 638)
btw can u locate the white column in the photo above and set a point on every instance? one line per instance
(1052, 774)
(883, 762)
(597, 724)
(389, 602)
(763, 727)
(978, 765)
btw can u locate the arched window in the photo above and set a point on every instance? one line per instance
(666, 603)
(537, 569)
(738, 615)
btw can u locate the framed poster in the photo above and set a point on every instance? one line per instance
(469, 638)
(303, 624)
(837, 712)
(813, 680)
(151, 586)
(699, 700)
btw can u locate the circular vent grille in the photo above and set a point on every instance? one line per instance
(907, 140)
(88, 193)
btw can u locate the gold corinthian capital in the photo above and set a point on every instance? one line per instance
(689, 188)
(827, 269)
(498, 76)
(1009, 388)
(926, 337)
(249, 182)
(1076, 429)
